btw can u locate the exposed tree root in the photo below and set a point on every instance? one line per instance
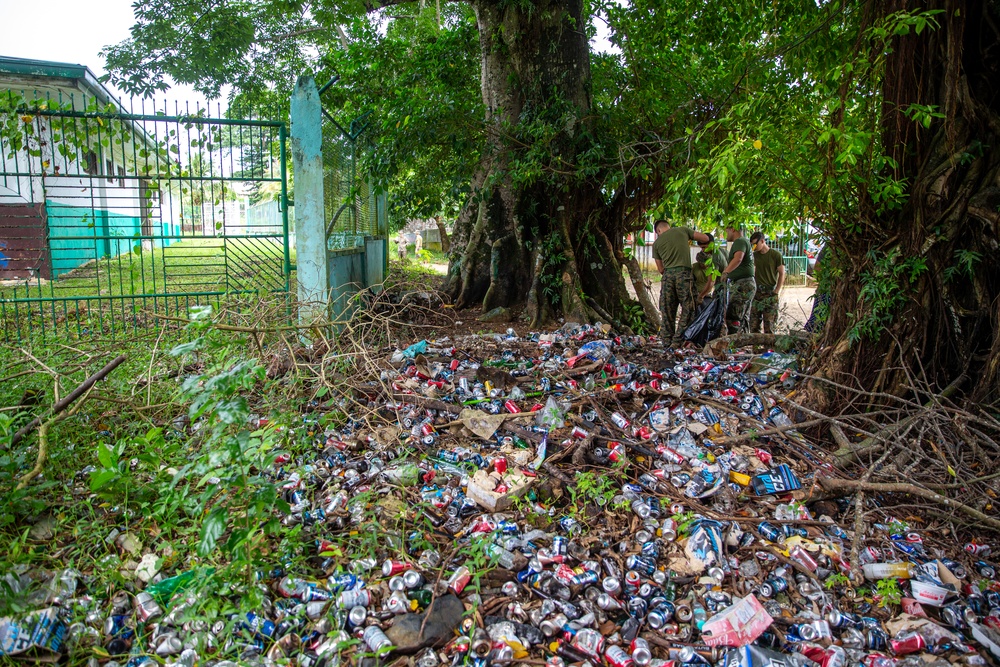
(847, 486)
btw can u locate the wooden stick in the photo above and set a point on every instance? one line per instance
(844, 486)
(753, 435)
(69, 399)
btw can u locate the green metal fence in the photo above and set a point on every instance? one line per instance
(792, 245)
(350, 202)
(109, 216)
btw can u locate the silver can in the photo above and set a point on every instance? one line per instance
(376, 640)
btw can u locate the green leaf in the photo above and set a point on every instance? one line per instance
(211, 530)
(101, 478)
(187, 348)
(105, 456)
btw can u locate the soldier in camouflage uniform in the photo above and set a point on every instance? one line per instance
(672, 252)
(769, 272)
(741, 296)
(676, 292)
(740, 274)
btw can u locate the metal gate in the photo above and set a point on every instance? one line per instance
(108, 216)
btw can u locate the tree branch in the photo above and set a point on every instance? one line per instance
(70, 398)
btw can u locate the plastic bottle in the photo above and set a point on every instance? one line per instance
(407, 474)
(502, 557)
(163, 590)
(888, 570)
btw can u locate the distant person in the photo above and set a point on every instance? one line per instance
(821, 298)
(418, 245)
(740, 274)
(702, 279)
(672, 252)
(715, 264)
(401, 247)
(769, 272)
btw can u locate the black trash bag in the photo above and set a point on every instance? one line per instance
(707, 322)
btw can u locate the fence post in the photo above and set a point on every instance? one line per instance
(310, 223)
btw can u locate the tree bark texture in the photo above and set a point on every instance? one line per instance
(950, 323)
(543, 238)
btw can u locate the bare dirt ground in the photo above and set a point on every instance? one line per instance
(796, 301)
(796, 304)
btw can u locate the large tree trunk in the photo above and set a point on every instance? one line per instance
(949, 323)
(443, 232)
(546, 241)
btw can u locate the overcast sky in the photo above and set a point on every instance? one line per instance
(71, 31)
(75, 31)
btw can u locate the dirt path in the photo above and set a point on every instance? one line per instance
(796, 304)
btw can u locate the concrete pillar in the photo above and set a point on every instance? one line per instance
(310, 219)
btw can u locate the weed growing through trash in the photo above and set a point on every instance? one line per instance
(836, 579)
(591, 487)
(888, 592)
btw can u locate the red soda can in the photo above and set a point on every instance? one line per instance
(436, 383)
(632, 581)
(427, 428)
(455, 363)
(565, 574)
(670, 455)
(483, 525)
(511, 407)
(617, 657)
(655, 375)
(909, 643)
(391, 568)
(572, 384)
(579, 433)
(655, 385)
(646, 432)
(803, 558)
(764, 456)
(869, 555)
(977, 549)
(500, 464)
(620, 420)
(459, 579)
(617, 452)
(536, 407)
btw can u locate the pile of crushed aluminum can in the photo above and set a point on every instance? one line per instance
(611, 515)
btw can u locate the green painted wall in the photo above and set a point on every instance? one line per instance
(72, 232)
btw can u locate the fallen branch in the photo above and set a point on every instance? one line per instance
(845, 486)
(43, 440)
(82, 389)
(719, 348)
(753, 435)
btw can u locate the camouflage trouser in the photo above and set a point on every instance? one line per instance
(765, 308)
(676, 290)
(740, 300)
